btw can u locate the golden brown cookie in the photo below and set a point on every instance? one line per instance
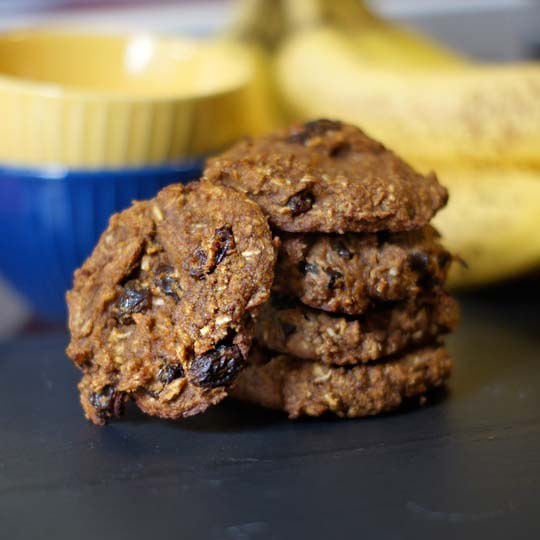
(335, 339)
(327, 176)
(311, 389)
(162, 310)
(349, 273)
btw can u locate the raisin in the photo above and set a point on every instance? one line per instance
(168, 285)
(198, 260)
(170, 372)
(333, 277)
(133, 299)
(216, 367)
(309, 268)
(206, 262)
(341, 249)
(313, 129)
(419, 262)
(107, 402)
(222, 242)
(287, 328)
(300, 203)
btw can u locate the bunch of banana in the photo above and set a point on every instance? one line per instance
(477, 125)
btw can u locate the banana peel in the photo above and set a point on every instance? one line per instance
(487, 115)
(492, 223)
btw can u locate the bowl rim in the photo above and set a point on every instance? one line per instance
(53, 90)
(59, 172)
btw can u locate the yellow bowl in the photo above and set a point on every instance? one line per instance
(98, 101)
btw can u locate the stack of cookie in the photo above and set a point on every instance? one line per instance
(190, 296)
(358, 305)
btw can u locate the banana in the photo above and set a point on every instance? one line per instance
(466, 116)
(265, 113)
(492, 223)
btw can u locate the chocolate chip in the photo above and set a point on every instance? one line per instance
(216, 367)
(287, 328)
(340, 248)
(170, 372)
(333, 277)
(133, 299)
(107, 403)
(313, 129)
(168, 284)
(204, 263)
(300, 203)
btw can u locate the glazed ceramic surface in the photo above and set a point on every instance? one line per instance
(101, 101)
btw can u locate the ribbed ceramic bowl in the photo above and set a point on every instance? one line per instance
(50, 220)
(99, 101)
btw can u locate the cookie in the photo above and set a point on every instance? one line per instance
(326, 176)
(349, 273)
(162, 311)
(303, 388)
(382, 331)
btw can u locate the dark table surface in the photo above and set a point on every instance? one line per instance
(465, 466)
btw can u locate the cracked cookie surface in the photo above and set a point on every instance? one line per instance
(303, 388)
(327, 176)
(162, 310)
(339, 340)
(351, 272)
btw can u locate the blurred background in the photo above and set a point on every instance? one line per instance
(90, 121)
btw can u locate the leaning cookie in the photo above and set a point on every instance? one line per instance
(327, 176)
(331, 339)
(162, 311)
(348, 273)
(312, 389)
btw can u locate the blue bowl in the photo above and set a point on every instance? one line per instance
(51, 219)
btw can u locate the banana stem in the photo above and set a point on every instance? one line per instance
(270, 22)
(341, 13)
